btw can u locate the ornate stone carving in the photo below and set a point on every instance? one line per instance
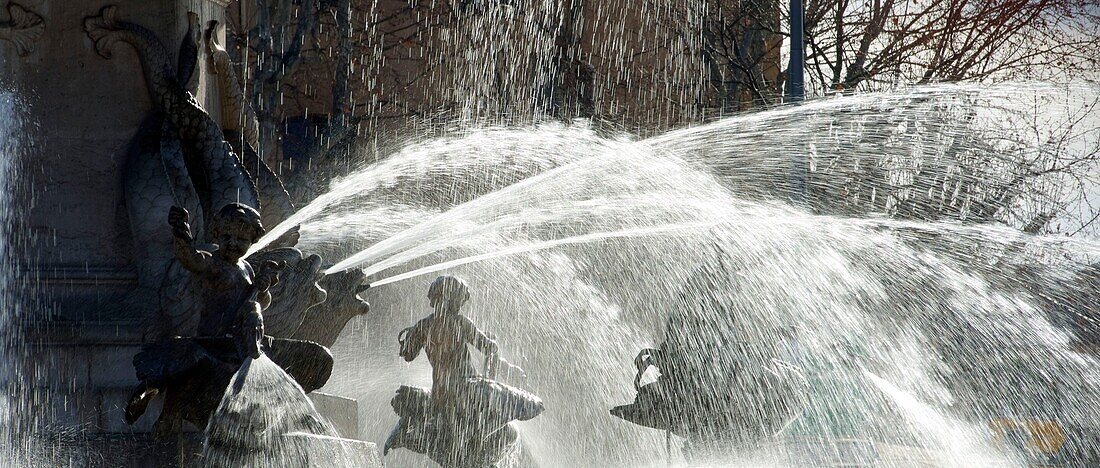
(182, 158)
(211, 161)
(241, 129)
(237, 115)
(23, 29)
(190, 270)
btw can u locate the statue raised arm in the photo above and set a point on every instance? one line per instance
(464, 420)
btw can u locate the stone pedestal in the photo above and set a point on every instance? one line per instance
(139, 451)
(342, 412)
(81, 112)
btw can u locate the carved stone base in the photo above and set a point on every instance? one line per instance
(139, 451)
(342, 412)
(108, 450)
(86, 386)
(325, 452)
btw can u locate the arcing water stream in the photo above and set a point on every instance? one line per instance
(920, 325)
(924, 322)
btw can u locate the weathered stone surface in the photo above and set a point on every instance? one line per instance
(79, 409)
(335, 451)
(86, 112)
(82, 113)
(113, 450)
(342, 412)
(76, 152)
(58, 367)
(110, 450)
(111, 366)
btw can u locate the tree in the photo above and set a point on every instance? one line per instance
(347, 70)
(881, 42)
(978, 157)
(872, 44)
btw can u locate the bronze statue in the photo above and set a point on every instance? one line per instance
(195, 371)
(207, 308)
(181, 157)
(700, 407)
(722, 378)
(234, 293)
(464, 420)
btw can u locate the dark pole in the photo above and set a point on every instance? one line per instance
(796, 92)
(796, 89)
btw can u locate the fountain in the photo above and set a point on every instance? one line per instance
(900, 316)
(838, 337)
(185, 314)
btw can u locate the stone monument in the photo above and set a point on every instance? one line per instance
(117, 134)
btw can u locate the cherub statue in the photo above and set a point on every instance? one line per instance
(464, 420)
(194, 371)
(235, 294)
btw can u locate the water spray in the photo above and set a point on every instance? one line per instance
(582, 239)
(395, 243)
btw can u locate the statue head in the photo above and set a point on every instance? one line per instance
(235, 228)
(448, 293)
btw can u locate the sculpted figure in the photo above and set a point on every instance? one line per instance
(464, 420)
(241, 129)
(194, 372)
(228, 280)
(682, 401)
(707, 382)
(718, 380)
(181, 157)
(209, 307)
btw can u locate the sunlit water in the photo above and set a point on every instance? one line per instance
(7, 300)
(916, 327)
(16, 448)
(266, 420)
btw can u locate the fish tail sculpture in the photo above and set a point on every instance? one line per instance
(219, 170)
(242, 130)
(181, 157)
(189, 55)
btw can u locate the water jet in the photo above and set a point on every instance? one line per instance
(908, 312)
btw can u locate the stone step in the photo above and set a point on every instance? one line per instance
(140, 451)
(326, 452)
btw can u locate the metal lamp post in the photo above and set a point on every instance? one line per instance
(796, 92)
